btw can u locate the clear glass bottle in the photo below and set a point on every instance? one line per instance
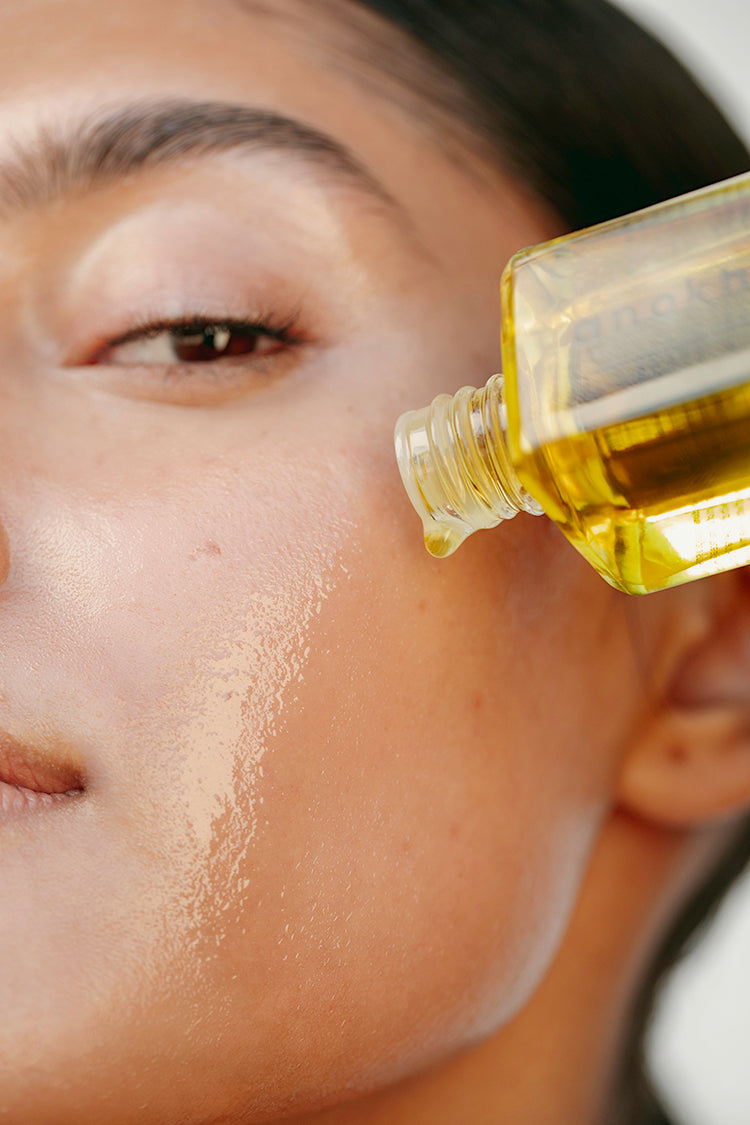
(624, 409)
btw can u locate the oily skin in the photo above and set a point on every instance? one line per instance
(339, 796)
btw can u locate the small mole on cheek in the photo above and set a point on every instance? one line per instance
(207, 549)
(477, 701)
(422, 605)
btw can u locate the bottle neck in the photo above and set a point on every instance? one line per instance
(456, 468)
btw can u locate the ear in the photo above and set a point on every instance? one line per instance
(689, 763)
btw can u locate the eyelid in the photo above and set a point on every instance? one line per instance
(279, 321)
(191, 385)
(195, 383)
(283, 332)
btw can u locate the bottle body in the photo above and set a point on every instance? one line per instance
(626, 360)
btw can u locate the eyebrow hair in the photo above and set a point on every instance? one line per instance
(146, 134)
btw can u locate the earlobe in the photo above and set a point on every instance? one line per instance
(688, 766)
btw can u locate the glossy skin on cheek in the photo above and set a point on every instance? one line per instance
(182, 664)
(339, 795)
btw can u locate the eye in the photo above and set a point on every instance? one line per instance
(199, 359)
(196, 341)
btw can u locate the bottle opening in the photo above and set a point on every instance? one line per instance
(455, 466)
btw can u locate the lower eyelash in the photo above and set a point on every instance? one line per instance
(199, 384)
(286, 331)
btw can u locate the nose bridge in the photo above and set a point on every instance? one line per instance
(12, 425)
(6, 476)
(22, 440)
(4, 552)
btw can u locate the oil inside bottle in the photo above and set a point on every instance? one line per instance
(625, 413)
(657, 499)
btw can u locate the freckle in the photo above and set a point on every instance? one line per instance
(422, 605)
(678, 753)
(477, 701)
(207, 549)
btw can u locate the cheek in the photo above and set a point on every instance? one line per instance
(352, 781)
(427, 808)
(381, 795)
(173, 625)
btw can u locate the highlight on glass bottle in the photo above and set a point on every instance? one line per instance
(625, 409)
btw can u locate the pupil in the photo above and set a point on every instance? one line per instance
(218, 338)
(210, 343)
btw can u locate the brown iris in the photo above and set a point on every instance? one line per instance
(202, 344)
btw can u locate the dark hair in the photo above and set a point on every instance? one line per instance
(598, 119)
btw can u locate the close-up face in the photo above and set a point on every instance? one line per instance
(322, 802)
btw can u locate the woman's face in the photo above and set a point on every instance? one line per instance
(336, 796)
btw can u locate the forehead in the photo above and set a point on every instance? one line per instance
(326, 59)
(318, 62)
(81, 49)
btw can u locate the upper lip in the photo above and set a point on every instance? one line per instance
(36, 769)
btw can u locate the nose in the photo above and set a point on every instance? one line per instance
(4, 554)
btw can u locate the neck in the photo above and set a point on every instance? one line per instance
(555, 1062)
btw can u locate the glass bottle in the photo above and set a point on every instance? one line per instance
(624, 409)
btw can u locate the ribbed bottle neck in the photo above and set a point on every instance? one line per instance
(455, 465)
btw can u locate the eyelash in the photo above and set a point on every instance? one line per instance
(286, 330)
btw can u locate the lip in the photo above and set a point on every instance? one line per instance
(31, 779)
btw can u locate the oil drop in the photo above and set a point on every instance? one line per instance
(624, 409)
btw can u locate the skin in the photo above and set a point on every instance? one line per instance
(352, 818)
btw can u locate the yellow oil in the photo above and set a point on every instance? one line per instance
(441, 541)
(655, 500)
(455, 465)
(624, 414)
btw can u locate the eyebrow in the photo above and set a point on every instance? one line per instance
(57, 162)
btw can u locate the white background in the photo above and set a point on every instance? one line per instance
(701, 1041)
(713, 38)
